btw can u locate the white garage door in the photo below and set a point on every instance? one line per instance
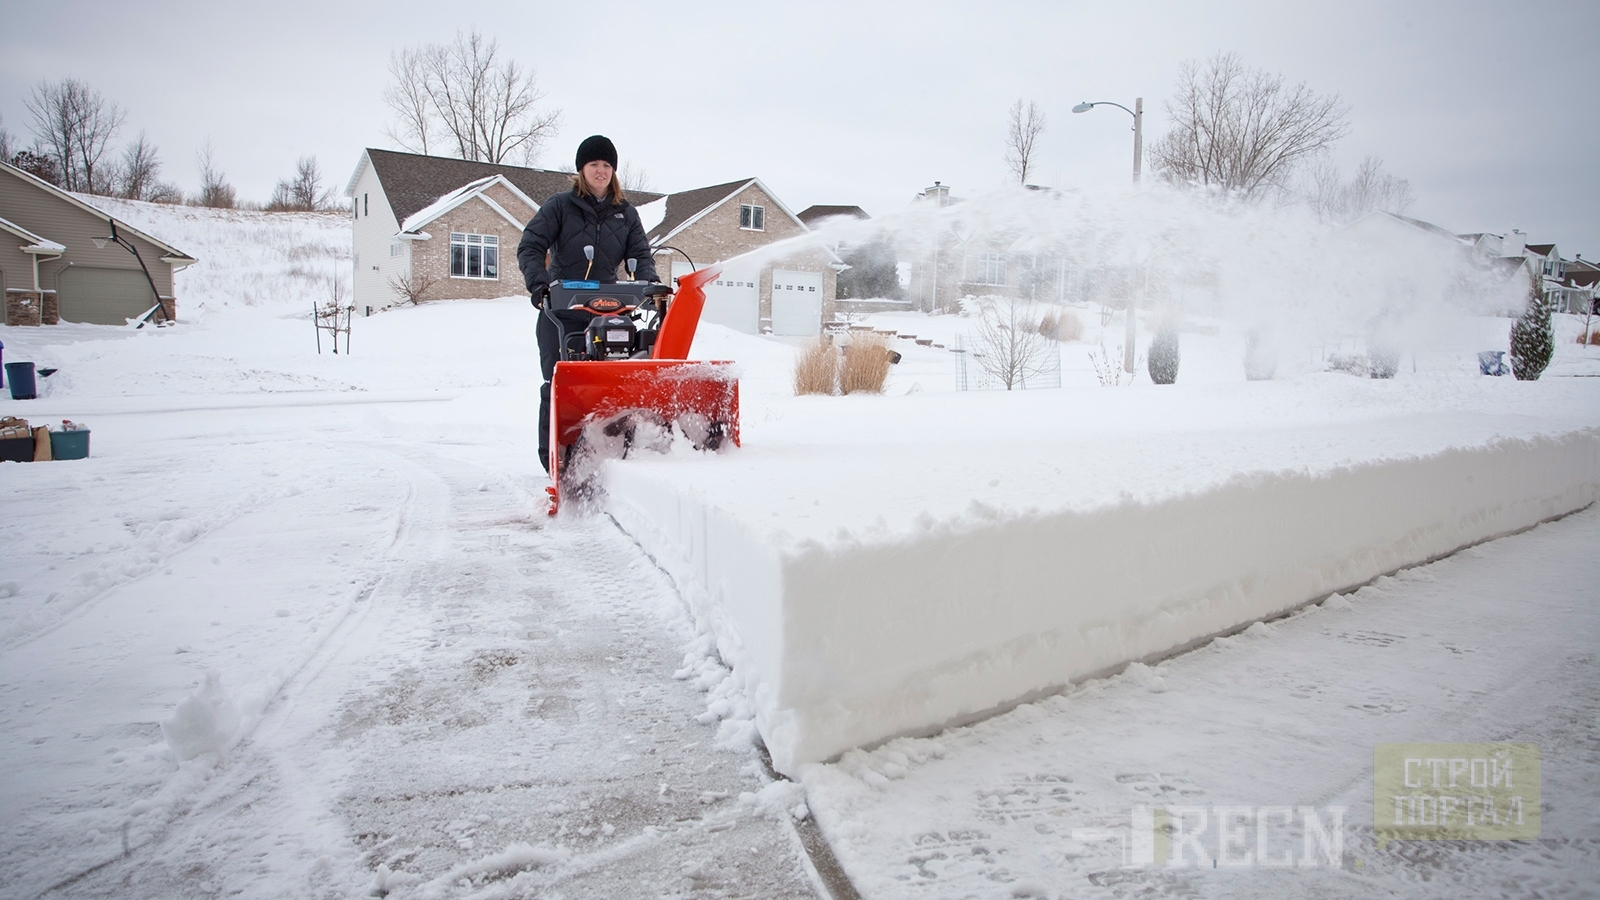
(796, 302)
(732, 300)
(103, 296)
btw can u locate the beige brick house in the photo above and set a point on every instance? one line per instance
(716, 224)
(450, 227)
(446, 226)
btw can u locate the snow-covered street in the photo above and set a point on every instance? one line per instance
(1495, 643)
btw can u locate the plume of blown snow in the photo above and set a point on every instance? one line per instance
(1277, 272)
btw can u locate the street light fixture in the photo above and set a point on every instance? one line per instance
(1138, 153)
(1138, 126)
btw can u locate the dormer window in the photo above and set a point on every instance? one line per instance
(752, 217)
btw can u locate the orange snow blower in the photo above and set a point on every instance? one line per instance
(624, 378)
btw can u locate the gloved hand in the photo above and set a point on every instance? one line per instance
(541, 293)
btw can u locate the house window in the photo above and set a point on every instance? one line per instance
(366, 210)
(474, 256)
(396, 249)
(752, 217)
(992, 268)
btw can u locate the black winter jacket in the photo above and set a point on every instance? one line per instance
(565, 224)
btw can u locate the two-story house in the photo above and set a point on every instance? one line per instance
(718, 224)
(437, 228)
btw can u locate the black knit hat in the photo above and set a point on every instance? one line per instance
(596, 147)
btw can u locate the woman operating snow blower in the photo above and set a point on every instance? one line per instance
(586, 233)
(614, 353)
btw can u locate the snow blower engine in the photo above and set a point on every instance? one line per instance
(623, 362)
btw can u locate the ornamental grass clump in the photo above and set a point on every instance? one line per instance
(816, 370)
(866, 365)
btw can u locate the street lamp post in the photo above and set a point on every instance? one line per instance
(1138, 154)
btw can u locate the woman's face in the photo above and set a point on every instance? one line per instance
(597, 175)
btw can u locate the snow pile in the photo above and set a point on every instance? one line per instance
(206, 721)
(913, 575)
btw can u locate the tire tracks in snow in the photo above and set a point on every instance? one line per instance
(258, 770)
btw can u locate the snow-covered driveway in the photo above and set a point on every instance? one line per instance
(424, 686)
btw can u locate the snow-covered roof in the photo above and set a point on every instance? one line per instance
(173, 254)
(688, 207)
(414, 222)
(651, 214)
(36, 244)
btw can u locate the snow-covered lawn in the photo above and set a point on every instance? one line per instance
(300, 627)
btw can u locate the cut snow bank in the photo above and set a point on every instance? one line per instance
(903, 608)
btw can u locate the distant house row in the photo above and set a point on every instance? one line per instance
(444, 228)
(57, 259)
(1569, 284)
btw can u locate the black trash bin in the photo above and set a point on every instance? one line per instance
(20, 377)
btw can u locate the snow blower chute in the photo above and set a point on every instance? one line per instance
(624, 376)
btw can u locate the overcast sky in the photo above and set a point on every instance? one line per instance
(1488, 108)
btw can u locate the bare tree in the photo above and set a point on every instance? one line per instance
(409, 98)
(7, 151)
(215, 191)
(1022, 139)
(1372, 189)
(413, 287)
(138, 175)
(1242, 129)
(74, 124)
(635, 177)
(1008, 345)
(465, 96)
(304, 192)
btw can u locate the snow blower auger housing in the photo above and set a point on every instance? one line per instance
(624, 368)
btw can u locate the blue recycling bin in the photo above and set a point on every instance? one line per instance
(20, 377)
(69, 444)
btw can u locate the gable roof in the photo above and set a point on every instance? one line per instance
(171, 253)
(812, 214)
(1541, 249)
(688, 207)
(36, 244)
(412, 182)
(414, 222)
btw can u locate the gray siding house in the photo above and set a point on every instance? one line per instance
(52, 269)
